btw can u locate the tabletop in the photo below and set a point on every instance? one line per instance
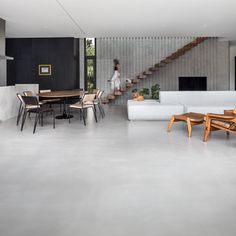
(61, 94)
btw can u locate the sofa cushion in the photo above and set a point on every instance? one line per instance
(199, 97)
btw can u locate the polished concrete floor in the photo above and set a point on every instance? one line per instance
(115, 178)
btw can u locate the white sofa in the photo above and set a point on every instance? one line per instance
(177, 102)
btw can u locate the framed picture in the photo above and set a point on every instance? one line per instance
(45, 69)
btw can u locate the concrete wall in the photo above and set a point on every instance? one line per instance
(3, 79)
(81, 61)
(211, 59)
(232, 64)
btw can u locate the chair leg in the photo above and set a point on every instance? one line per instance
(41, 119)
(82, 110)
(94, 112)
(53, 114)
(69, 113)
(189, 128)
(207, 130)
(80, 114)
(19, 114)
(172, 119)
(100, 110)
(206, 134)
(36, 121)
(23, 119)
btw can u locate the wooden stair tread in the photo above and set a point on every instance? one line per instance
(158, 65)
(118, 93)
(153, 68)
(111, 97)
(129, 85)
(142, 77)
(123, 89)
(105, 100)
(148, 72)
(135, 81)
(167, 60)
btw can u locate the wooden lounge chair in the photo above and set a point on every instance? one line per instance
(225, 122)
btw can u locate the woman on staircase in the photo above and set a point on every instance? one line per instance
(115, 80)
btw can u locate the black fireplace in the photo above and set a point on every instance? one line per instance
(195, 83)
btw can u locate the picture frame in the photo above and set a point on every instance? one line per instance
(45, 69)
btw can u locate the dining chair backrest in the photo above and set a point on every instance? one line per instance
(88, 98)
(30, 101)
(19, 96)
(100, 94)
(28, 93)
(45, 91)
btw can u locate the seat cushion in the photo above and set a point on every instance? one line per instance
(79, 106)
(31, 106)
(91, 103)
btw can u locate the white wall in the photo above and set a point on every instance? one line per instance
(81, 62)
(9, 103)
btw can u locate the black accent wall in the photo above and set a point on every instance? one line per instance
(28, 53)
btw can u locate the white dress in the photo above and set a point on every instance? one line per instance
(115, 81)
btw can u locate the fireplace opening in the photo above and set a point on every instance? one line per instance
(192, 83)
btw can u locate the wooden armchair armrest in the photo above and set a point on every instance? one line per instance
(219, 116)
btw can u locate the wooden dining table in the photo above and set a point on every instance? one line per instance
(64, 96)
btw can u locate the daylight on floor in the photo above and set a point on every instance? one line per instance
(117, 118)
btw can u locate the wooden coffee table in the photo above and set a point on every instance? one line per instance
(190, 118)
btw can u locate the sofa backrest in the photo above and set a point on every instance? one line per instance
(198, 97)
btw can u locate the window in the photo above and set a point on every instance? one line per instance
(90, 64)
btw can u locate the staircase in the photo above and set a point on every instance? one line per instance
(144, 75)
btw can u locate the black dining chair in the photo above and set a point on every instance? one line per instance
(31, 105)
(20, 109)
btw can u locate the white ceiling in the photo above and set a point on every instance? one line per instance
(93, 18)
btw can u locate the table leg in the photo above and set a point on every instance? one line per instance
(189, 127)
(64, 115)
(172, 119)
